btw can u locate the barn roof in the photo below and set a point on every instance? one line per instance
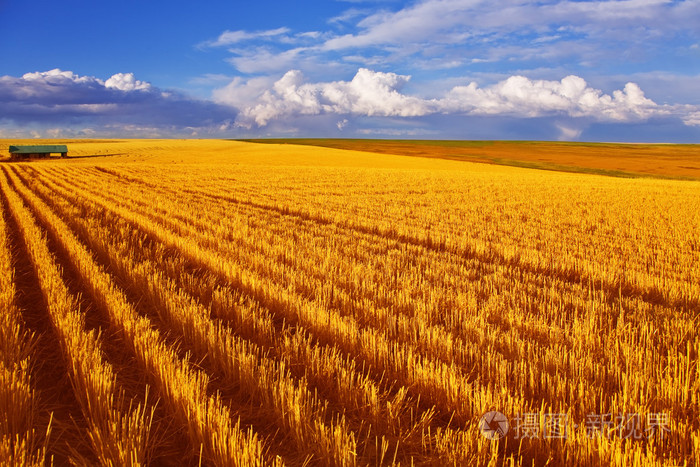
(38, 149)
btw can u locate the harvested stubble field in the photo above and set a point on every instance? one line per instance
(227, 303)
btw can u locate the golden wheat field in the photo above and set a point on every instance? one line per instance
(225, 303)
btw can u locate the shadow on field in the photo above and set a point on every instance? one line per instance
(97, 155)
(88, 156)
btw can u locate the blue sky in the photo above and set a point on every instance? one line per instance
(609, 70)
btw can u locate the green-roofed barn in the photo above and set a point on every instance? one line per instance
(37, 151)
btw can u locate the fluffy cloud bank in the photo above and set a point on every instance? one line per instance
(373, 94)
(120, 104)
(371, 103)
(571, 96)
(369, 93)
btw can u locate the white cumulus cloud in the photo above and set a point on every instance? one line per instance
(572, 96)
(378, 94)
(58, 76)
(369, 93)
(126, 82)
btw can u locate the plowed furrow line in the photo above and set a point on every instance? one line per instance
(485, 252)
(183, 389)
(612, 291)
(50, 373)
(218, 185)
(330, 296)
(441, 341)
(682, 297)
(170, 445)
(612, 297)
(543, 387)
(438, 383)
(547, 384)
(334, 376)
(237, 363)
(23, 436)
(433, 340)
(117, 436)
